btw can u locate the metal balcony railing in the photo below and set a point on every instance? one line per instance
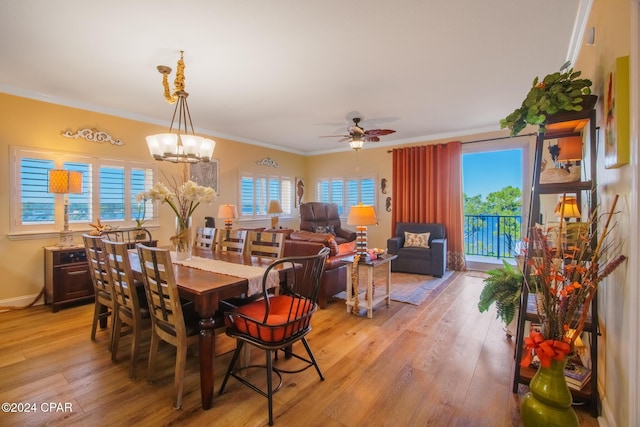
(492, 235)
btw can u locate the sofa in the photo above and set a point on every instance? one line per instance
(421, 248)
(319, 217)
(334, 278)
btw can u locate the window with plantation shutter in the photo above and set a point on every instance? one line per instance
(108, 191)
(347, 192)
(257, 190)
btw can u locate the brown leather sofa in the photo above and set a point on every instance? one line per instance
(334, 279)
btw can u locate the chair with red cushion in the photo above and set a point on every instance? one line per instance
(278, 321)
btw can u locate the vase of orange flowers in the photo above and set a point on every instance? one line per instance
(564, 279)
(183, 200)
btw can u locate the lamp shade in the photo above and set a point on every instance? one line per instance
(570, 149)
(274, 207)
(227, 211)
(64, 181)
(568, 208)
(362, 215)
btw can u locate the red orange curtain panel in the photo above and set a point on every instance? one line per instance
(427, 187)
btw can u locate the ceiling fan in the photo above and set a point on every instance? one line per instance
(358, 136)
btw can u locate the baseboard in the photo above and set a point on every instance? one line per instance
(22, 301)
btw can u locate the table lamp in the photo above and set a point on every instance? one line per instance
(274, 209)
(361, 216)
(567, 208)
(65, 182)
(570, 150)
(228, 213)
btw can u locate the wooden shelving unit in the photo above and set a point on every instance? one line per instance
(562, 125)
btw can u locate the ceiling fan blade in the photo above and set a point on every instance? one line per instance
(348, 138)
(334, 136)
(370, 138)
(378, 132)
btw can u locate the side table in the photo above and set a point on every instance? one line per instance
(353, 299)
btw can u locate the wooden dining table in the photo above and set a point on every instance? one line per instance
(206, 289)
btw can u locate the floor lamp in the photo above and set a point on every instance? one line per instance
(65, 182)
(361, 216)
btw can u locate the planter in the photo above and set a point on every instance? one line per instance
(548, 403)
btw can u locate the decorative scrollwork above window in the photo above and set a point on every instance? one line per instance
(268, 162)
(93, 135)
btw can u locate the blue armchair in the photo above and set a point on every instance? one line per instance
(418, 252)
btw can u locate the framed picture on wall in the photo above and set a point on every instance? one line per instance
(616, 144)
(206, 174)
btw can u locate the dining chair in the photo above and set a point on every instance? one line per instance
(277, 322)
(104, 305)
(170, 322)
(131, 236)
(131, 304)
(232, 241)
(206, 237)
(266, 244)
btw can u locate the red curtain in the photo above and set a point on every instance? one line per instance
(427, 187)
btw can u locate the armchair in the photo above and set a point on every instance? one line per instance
(319, 217)
(418, 252)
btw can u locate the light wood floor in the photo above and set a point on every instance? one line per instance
(440, 364)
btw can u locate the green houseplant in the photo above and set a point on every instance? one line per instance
(557, 92)
(502, 287)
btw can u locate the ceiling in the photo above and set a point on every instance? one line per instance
(282, 73)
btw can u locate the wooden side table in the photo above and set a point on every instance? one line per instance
(66, 276)
(353, 299)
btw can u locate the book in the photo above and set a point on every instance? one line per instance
(576, 375)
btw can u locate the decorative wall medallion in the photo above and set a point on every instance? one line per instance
(93, 135)
(268, 162)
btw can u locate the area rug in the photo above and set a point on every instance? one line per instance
(408, 288)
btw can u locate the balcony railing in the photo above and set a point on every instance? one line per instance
(492, 235)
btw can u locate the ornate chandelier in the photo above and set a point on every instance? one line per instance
(179, 146)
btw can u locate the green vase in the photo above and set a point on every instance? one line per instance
(548, 402)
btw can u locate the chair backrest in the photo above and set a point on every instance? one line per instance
(131, 236)
(436, 231)
(161, 290)
(266, 244)
(292, 308)
(119, 267)
(94, 248)
(319, 214)
(206, 237)
(232, 240)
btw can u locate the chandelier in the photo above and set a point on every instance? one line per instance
(179, 146)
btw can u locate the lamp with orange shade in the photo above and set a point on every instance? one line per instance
(567, 208)
(228, 213)
(361, 216)
(570, 151)
(62, 181)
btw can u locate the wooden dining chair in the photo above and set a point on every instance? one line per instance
(206, 237)
(278, 321)
(131, 303)
(104, 302)
(131, 236)
(232, 241)
(265, 244)
(169, 322)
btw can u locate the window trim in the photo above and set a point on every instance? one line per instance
(344, 180)
(284, 203)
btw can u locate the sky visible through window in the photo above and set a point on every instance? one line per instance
(484, 173)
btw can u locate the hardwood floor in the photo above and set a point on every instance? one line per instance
(442, 364)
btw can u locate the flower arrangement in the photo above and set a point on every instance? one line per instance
(565, 282)
(141, 217)
(183, 200)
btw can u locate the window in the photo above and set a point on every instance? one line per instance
(108, 190)
(257, 190)
(347, 192)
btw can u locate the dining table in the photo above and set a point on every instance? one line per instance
(206, 289)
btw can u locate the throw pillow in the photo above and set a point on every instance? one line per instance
(326, 229)
(416, 240)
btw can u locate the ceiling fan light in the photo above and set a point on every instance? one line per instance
(356, 144)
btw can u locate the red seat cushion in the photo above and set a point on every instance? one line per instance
(287, 316)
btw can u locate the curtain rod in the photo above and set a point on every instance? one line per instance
(489, 139)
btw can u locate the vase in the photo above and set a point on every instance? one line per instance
(548, 402)
(182, 239)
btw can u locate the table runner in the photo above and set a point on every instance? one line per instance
(251, 273)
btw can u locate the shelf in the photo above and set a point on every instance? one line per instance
(565, 187)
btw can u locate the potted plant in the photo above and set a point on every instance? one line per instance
(557, 92)
(502, 287)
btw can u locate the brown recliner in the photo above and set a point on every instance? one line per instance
(319, 217)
